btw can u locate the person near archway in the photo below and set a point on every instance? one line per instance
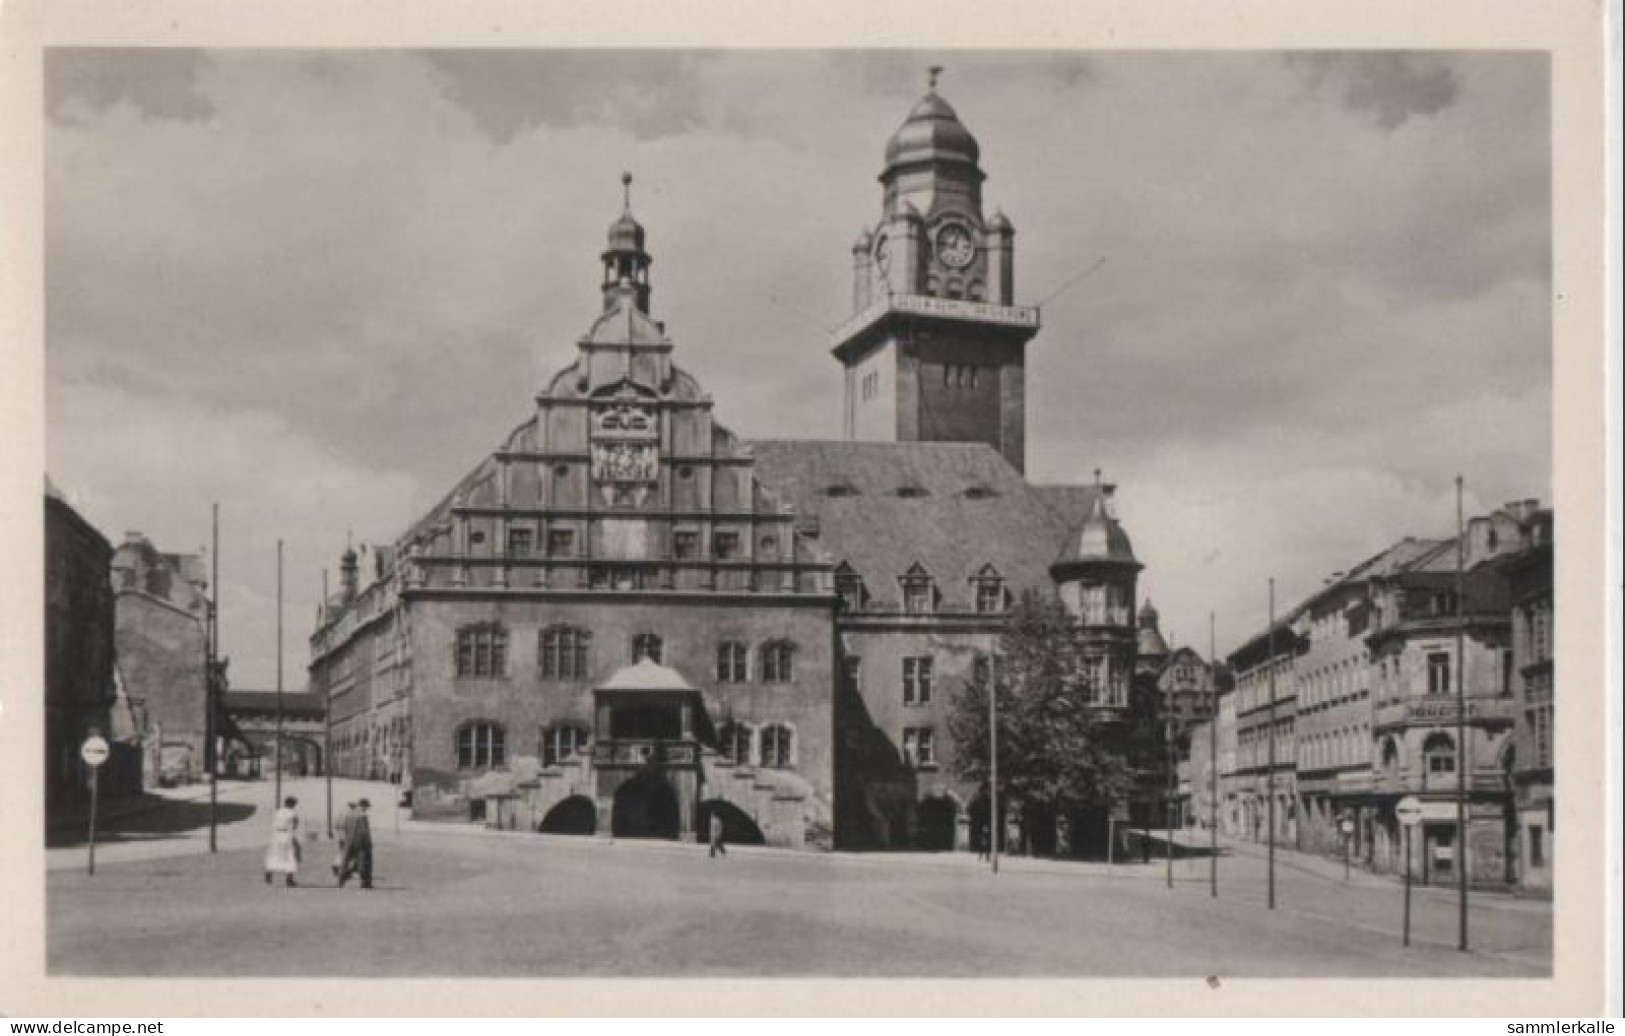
(717, 846)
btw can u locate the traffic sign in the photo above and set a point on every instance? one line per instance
(1347, 826)
(94, 751)
(1409, 810)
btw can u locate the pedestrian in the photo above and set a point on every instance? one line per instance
(717, 848)
(984, 841)
(282, 857)
(357, 845)
(343, 839)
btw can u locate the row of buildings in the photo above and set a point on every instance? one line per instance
(1349, 703)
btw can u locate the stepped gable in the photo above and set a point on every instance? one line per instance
(953, 508)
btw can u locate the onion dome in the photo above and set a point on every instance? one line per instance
(1150, 645)
(626, 233)
(1096, 541)
(1000, 223)
(932, 133)
(864, 242)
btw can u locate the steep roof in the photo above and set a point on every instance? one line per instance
(953, 508)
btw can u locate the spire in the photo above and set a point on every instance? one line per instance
(626, 263)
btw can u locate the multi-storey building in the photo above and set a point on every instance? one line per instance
(1529, 576)
(81, 693)
(160, 620)
(626, 618)
(1266, 699)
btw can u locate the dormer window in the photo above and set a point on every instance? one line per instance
(919, 591)
(988, 587)
(980, 493)
(911, 492)
(840, 490)
(849, 587)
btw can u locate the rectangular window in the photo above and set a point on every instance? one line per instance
(852, 668)
(1540, 733)
(989, 596)
(917, 596)
(850, 589)
(917, 681)
(482, 651)
(561, 543)
(685, 545)
(1540, 630)
(726, 546)
(1537, 846)
(919, 746)
(520, 542)
(733, 663)
(1439, 673)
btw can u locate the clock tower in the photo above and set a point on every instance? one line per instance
(935, 348)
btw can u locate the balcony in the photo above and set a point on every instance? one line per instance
(623, 753)
(1022, 317)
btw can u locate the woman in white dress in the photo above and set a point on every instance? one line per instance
(283, 855)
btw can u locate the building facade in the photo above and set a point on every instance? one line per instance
(1529, 577)
(161, 618)
(81, 690)
(626, 619)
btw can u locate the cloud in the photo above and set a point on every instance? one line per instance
(1392, 86)
(1324, 279)
(159, 82)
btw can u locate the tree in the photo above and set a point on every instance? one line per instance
(1058, 752)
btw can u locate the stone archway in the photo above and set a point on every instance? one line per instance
(737, 826)
(646, 807)
(576, 815)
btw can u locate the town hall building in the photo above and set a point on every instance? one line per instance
(626, 619)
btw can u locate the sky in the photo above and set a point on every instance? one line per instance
(319, 286)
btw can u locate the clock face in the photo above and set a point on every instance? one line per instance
(883, 253)
(955, 246)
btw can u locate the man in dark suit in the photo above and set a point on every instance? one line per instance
(357, 845)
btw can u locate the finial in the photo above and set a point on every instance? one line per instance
(626, 191)
(1097, 476)
(933, 72)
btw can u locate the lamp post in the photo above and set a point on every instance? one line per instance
(211, 667)
(1269, 774)
(1168, 794)
(993, 761)
(277, 797)
(1463, 753)
(1213, 762)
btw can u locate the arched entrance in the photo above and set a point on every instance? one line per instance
(737, 826)
(646, 807)
(935, 820)
(576, 815)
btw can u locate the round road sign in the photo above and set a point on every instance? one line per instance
(94, 750)
(1408, 810)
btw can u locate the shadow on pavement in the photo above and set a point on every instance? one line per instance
(144, 817)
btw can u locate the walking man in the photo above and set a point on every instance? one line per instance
(357, 845)
(717, 848)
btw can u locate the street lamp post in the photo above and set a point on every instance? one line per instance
(1213, 762)
(993, 762)
(211, 667)
(1269, 775)
(1463, 749)
(278, 794)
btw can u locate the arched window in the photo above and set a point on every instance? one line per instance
(482, 650)
(778, 746)
(561, 742)
(778, 661)
(565, 653)
(647, 645)
(733, 662)
(481, 745)
(733, 741)
(1439, 757)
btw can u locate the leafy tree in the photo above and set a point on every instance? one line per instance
(1056, 751)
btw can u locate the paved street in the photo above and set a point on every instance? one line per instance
(464, 902)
